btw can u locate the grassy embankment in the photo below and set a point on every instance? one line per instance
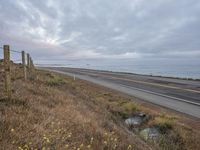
(51, 111)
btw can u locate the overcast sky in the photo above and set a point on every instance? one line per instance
(117, 29)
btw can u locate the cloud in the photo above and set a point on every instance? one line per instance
(102, 29)
(90, 54)
(72, 37)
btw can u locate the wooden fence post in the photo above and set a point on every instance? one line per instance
(28, 61)
(31, 64)
(24, 65)
(7, 70)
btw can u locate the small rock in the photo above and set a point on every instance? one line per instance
(150, 133)
(136, 120)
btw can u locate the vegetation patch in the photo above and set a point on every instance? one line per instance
(130, 107)
(171, 141)
(164, 123)
(55, 81)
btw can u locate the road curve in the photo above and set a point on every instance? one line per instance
(176, 94)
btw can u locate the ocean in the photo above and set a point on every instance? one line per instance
(182, 68)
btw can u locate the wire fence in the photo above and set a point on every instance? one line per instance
(15, 55)
(11, 55)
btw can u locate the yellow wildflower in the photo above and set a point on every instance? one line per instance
(19, 148)
(66, 146)
(129, 147)
(12, 130)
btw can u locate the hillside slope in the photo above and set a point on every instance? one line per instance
(51, 111)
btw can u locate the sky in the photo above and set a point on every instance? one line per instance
(102, 29)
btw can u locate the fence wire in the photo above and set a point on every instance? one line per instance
(15, 55)
(15, 51)
(12, 50)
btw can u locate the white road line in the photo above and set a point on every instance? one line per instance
(143, 82)
(171, 97)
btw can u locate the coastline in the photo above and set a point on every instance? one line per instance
(124, 72)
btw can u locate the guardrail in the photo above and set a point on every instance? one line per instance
(27, 63)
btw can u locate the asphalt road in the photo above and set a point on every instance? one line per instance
(177, 94)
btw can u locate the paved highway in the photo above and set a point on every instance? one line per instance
(176, 94)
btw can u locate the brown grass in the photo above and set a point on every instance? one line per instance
(51, 111)
(48, 112)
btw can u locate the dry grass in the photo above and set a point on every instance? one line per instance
(47, 112)
(163, 122)
(51, 111)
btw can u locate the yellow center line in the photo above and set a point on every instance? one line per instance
(147, 83)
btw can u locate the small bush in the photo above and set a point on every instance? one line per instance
(164, 123)
(130, 107)
(55, 81)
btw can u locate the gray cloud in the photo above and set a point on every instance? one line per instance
(102, 28)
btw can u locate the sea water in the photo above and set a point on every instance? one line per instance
(183, 68)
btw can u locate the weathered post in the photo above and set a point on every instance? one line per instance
(7, 71)
(31, 64)
(31, 68)
(28, 61)
(24, 65)
(74, 77)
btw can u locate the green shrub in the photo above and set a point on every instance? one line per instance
(55, 81)
(130, 107)
(164, 123)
